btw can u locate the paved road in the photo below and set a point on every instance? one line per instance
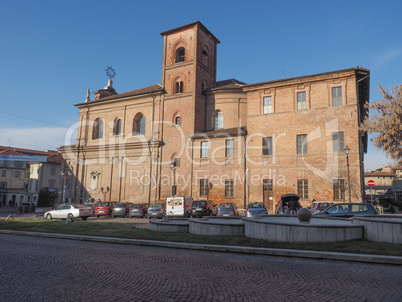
(43, 269)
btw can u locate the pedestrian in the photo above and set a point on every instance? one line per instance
(293, 205)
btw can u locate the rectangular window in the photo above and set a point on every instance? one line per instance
(338, 142)
(339, 189)
(302, 188)
(302, 144)
(267, 104)
(204, 149)
(204, 187)
(267, 146)
(336, 96)
(229, 148)
(267, 185)
(229, 188)
(301, 100)
(52, 170)
(3, 184)
(4, 173)
(17, 174)
(52, 183)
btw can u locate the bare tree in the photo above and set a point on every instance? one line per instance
(385, 125)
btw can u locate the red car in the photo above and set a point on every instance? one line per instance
(104, 209)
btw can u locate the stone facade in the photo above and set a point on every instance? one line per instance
(229, 141)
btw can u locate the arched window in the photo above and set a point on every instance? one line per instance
(97, 129)
(180, 54)
(179, 87)
(139, 123)
(117, 126)
(218, 120)
(177, 121)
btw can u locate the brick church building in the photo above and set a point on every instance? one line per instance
(221, 140)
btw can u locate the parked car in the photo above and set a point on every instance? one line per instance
(156, 210)
(121, 209)
(178, 206)
(282, 207)
(201, 208)
(104, 209)
(91, 206)
(347, 210)
(138, 210)
(26, 207)
(318, 206)
(227, 209)
(255, 209)
(69, 210)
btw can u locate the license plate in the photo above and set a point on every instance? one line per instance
(199, 209)
(225, 214)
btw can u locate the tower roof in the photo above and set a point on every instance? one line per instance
(164, 33)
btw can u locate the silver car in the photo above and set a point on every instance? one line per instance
(318, 206)
(255, 209)
(69, 210)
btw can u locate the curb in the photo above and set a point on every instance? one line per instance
(374, 259)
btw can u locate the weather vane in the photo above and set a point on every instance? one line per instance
(110, 72)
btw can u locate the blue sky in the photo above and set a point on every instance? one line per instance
(53, 51)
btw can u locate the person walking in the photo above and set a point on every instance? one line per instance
(293, 205)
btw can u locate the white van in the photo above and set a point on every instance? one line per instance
(178, 206)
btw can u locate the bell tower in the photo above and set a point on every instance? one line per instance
(189, 65)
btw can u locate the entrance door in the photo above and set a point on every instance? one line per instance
(268, 198)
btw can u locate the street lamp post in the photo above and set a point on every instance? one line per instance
(104, 191)
(173, 166)
(347, 150)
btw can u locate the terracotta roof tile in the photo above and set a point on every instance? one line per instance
(378, 174)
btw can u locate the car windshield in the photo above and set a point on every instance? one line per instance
(256, 205)
(225, 206)
(323, 206)
(157, 206)
(136, 206)
(79, 206)
(338, 209)
(103, 204)
(119, 205)
(199, 203)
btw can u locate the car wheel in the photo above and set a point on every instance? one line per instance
(84, 218)
(97, 216)
(49, 217)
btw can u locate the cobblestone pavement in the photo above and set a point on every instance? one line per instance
(43, 269)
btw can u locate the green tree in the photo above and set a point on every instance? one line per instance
(385, 125)
(46, 198)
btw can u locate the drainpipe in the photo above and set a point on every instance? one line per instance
(111, 180)
(245, 170)
(151, 148)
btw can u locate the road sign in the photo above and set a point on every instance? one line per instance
(371, 183)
